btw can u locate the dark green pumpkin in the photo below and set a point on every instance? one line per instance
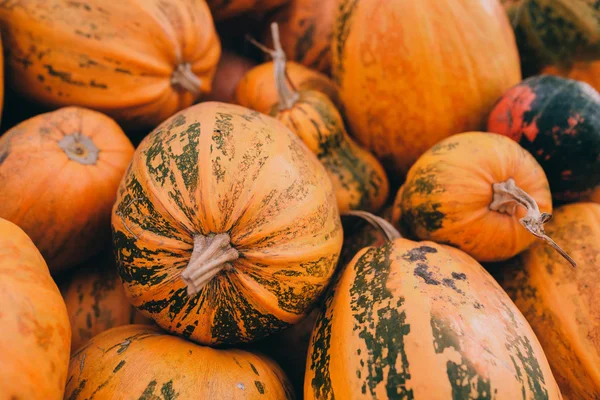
(558, 121)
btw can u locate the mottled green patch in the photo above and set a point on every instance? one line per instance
(342, 27)
(424, 216)
(253, 368)
(260, 387)
(119, 366)
(77, 391)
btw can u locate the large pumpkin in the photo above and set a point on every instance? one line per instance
(96, 300)
(142, 362)
(35, 333)
(558, 121)
(560, 302)
(474, 191)
(59, 174)
(419, 320)
(414, 72)
(226, 227)
(137, 61)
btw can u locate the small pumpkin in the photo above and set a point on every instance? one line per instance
(137, 61)
(230, 70)
(142, 362)
(560, 302)
(96, 300)
(558, 121)
(224, 9)
(473, 191)
(425, 321)
(35, 334)
(257, 89)
(306, 28)
(59, 174)
(226, 227)
(595, 196)
(588, 72)
(412, 73)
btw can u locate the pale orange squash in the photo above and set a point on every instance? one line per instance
(59, 174)
(34, 327)
(414, 72)
(137, 61)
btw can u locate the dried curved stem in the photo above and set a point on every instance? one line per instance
(508, 196)
(384, 226)
(185, 78)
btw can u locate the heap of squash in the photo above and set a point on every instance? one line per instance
(307, 213)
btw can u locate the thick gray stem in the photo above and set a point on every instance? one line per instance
(80, 148)
(186, 79)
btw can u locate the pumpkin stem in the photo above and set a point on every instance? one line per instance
(507, 196)
(79, 148)
(186, 79)
(384, 226)
(210, 256)
(288, 96)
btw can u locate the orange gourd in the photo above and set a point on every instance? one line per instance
(96, 300)
(137, 61)
(35, 333)
(420, 320)
(230, 70)
(59, 174)
(1, 79)
(588, 72)
(560, 302)
(474, 191)
(414, 72)
(595, 196)
(143, 362)
(226, 227)
(224, 9)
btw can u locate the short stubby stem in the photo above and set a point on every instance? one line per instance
(185, 78)
(211, 255)
(79, 148)
(508, 196)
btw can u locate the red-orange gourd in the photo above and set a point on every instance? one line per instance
(35, 334)
(414, 72)
(230, 70)
(59, 174)
(137, 61)
(588, 72)
(223, 9)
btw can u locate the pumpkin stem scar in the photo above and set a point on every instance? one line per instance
(79, 148)
(186, 79)
(507, 196)
(385, 227)
(210, 256)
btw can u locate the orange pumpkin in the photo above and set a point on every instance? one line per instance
(137, 61)
(226, 227)
(306, 28)
(410, 320)
(414, 72)
(595, 196)
(588, 72)
(35, 334)
(223, 9)
(560, 302)
(1, 78)
(96, 300)
(59, 174)
(230, 70)
(474, 191)
(142, 362)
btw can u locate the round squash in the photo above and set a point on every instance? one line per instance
(560, 302)
(59, 174)
(306, 28)
(230, 70)
(226, 227)
(96, 300)
(414, 72)
(224, 9)
(419, 320)
(473, 191)
(35, 334)
(137, 61)
(588, 72)
(142, 362)
(558, 121)
(257, 89)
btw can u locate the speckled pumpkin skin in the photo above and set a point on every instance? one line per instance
(561, 302)
(143, 362)
(412, 320)
(221, 168)
(558, 121)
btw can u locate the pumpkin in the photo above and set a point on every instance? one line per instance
(59, 174)
(230, 70)
(404, 312)
(35, 335)
(560, 302)
(228, 235)
(137, 61)
(1, 79)
(558, 121)
(223, 9)
(595, 196)
(588, 72)
(142, 362)
(257, 89)
(472, 191)
(306, 29)
(414, 72)
(96, 300)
